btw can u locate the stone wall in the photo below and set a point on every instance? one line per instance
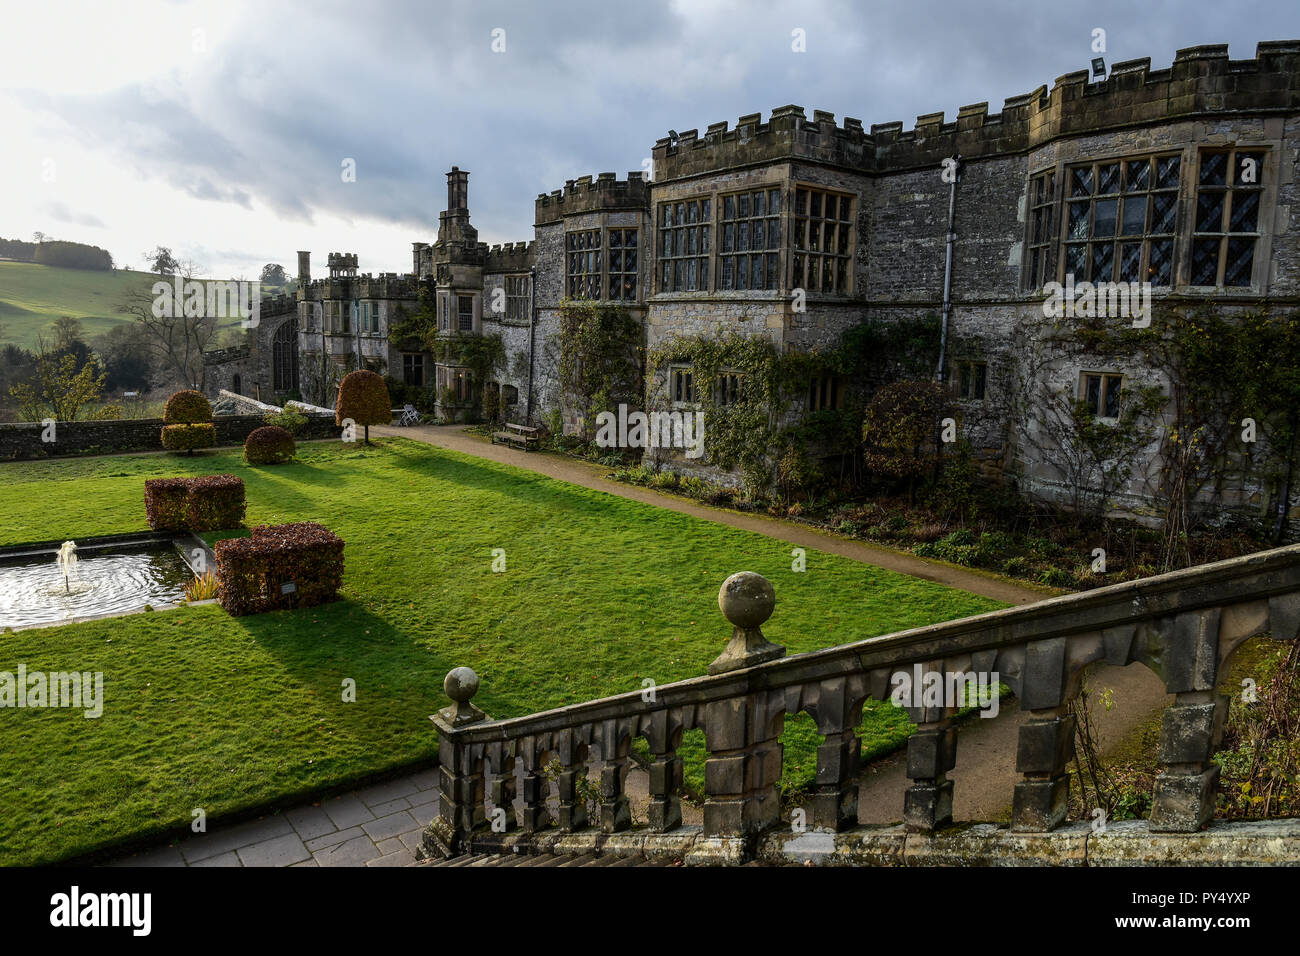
(22, 440)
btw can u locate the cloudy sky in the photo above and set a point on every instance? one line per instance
(221, 128)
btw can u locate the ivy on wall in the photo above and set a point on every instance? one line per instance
(757, 434)
(600, 360)
(1224, 374)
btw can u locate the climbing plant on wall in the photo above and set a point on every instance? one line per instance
(1200, 376)
(600, 360)
(756, 434)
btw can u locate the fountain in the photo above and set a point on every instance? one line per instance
(66, 559)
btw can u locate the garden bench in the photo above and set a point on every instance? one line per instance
(522, 436)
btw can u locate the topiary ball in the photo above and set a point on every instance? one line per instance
(269, 445)
(187, 407)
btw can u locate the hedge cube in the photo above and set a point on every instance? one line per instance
(278, 567)
(206, 503)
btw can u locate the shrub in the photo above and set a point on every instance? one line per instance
(215, 502)
(206, 503)
(187, 407)
(289, 418)
(268, 445)
(165, 503)
(363, 397)
(186, 438)
(202, 588)
(279, 566)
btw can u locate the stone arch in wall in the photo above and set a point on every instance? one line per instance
(284, 357)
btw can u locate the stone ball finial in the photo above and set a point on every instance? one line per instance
(747, 599)
(460, 684)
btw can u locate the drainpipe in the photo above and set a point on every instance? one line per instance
(532, 325)
(947, 271)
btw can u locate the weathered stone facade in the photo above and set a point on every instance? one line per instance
(736, 234)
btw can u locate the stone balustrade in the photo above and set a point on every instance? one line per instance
(1183, 626)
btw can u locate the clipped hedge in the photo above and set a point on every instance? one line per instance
(186, 438)
(187, 407)
(206, 503)
(269, 445)
(279, 566)
(166, 503)
(215, 502)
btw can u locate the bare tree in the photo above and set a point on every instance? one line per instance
(177, 340)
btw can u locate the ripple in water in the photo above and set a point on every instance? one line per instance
(33, 592)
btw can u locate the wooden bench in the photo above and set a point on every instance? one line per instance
(521, 436)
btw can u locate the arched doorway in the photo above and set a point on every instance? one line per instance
(284, 357)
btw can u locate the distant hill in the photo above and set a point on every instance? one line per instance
(33, 296)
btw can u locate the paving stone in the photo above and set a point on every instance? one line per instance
(390, 826)
(392, 806)
(304, 863)
(425, 780)
(232, 838)
(391, 845)
(414, 839)
(280, 851)
(425, 813)
(402, 857)
(334, 839)
(384, 792)
(311, 822)
(229, 858)
(354, 852)
(347, 811)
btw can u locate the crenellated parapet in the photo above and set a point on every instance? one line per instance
(585, 195)
(1202, 81)
(510, 257)
(788, 133)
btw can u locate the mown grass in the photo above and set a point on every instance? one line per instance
(205, 710)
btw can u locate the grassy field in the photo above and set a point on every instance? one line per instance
(32, 296)
(205, 710)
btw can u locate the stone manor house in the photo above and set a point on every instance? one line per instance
(1140, 176)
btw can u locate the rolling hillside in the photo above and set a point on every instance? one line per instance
(33, 296)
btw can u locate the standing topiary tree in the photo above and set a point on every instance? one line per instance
(187, 422)
(363, 398)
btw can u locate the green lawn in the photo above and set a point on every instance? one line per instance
(205, 710)
(32, 296)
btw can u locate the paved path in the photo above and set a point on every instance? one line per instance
(380, 825)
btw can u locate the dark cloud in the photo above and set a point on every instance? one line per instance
(407, 89)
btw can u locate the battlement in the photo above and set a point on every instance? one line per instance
(510, 257)
(385, 285)
(342, 263)
(787, 133)
(585, 195)
(1201, 81)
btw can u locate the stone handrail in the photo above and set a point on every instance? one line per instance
(1183, 625)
